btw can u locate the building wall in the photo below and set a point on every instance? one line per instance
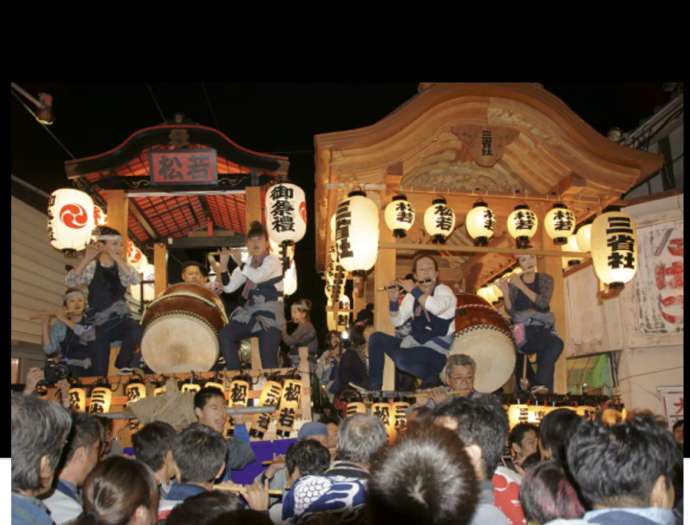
(37, 281)
(647, 361)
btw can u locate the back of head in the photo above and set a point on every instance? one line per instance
(481, 422)
(206, 393)
(359, 437)
(203, 508)
(618, 466)
(116, 489)
(105, 230)
(241, 517)
(39, 429)
(425, 478)
(310, 456)
(152, 442)
(546, 494)
(199, 452)
(555, 430)
(86, 432)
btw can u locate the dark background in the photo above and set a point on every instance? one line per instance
(280, 118)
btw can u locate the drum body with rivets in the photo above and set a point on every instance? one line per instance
(181, 330)
(484, 335)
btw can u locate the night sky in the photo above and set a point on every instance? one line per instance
(277, 118)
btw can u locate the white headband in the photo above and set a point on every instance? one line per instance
(73, 293)
(109, 237)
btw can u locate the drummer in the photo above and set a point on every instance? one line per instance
(193, 273)
(263, 313)
(431, 307)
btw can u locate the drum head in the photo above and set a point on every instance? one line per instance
(178, 343)
(493, 352)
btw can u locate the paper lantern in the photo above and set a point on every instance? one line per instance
(399, 216)
(135, 256)
(559, 223)
(286, 213)
(496, 291)
(344, 303)
(383, 411)
(290, 279)
(330, 321)
(159, 391)
(480, 223)
(270, 396)
(355, 407)
(399, 410)
(101, 397)
(332, 226)
(135, 391)
(439, 220)
(522, 225)
(357, 232)
(77, 399)
(584, 237)
(214, 384)
(614, 248)
(289, 407)
(190, 387)
(148, 272)
(238, 394)
(570, 246)
(99, 216)
(70, 219)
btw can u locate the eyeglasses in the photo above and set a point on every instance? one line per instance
(469, 379)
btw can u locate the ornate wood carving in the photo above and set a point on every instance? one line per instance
(485, 144)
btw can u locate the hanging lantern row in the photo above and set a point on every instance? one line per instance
(286, 213)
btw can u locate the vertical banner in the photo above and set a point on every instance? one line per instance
(382, 410)
(270, 396)
(399, 419)
(672, 397)
(289, 407)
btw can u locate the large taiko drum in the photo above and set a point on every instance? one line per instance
(181, 330)
(483, 334)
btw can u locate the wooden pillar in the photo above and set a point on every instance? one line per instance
(252, 206)
(255, 353)
(552, 266)
(160, 263)
(117, 213)
(384, 272)
(306, 382)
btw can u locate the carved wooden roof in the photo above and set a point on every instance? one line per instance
(473, 139)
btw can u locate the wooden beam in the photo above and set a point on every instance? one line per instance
(160, 263)
(384, 272)
(397, 246)
(142, 220)
(552, 266)
(117, 213)
(252, 205)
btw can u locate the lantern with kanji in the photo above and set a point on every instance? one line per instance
(614, 247)
(101, 396)
(522, 225)
(70, 219)
(99, 216)
(77, 399)
(135, 391)
(439, 220)
(238, 395)
(286, 213)
(571, 246)
(559, 223)
(399, 216)
(584, 236)
(270, 396)
(480, 223)
(357, 232)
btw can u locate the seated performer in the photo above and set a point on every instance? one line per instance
(193, 273)
(303, 335)
(106, 273)
(262, 315)
(69, 336)
(527, 296)
(431, 306)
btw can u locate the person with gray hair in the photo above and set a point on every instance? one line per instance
(458, 375)
(80, 457)
(341, 489)
(39, 431)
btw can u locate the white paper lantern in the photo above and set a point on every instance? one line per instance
(584, 237)
(148, 274)
(522, 225)
(332, 226)
(485, 294)
(399, 216)
(559, 223)
(135, 256)
(439, 220)
(357, 232)
(290, 280)
(99, 216)
(286, 213)
(496, 291)
(480, 223)
(70, 219)
(344, 303)
(571, 246)
(614, 247)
